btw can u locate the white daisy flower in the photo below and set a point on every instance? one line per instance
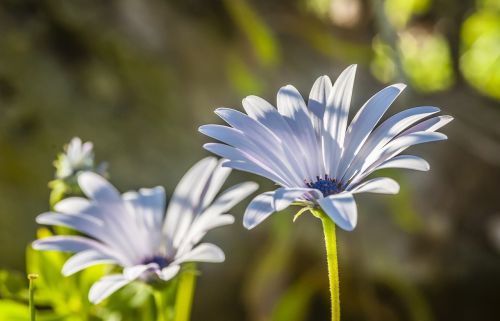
(312, 153)
(132, 231)
(77, 156)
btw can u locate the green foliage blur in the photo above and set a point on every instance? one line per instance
(137, 77)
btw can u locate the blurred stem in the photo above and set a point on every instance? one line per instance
(185, 293)
(161, 305)
(32, 278)
(331, 258)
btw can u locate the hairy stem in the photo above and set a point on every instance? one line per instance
(331, 258)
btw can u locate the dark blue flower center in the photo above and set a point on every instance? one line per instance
(160, 260)
(326, 185)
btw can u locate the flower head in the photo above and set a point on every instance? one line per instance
(132, 230)
(77, 156)
(312, 153)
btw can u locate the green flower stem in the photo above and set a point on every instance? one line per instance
(161, 305)
(185, 293)
(331, 257)
(32, 278)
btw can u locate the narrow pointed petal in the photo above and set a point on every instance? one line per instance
(218, 178)
(342, 210)
(318, 97)
(72, 205)
(228, 199)
(147, 206)
(84, 224)
(97, 188)
(106, 286)
(407, 162)
(335, 118)
(266, 114)
(380, 185)
(186, 198)
(385, 133)
(255, 169)
(211, 218)
(205, 252)
(86, 259)
(272, 146)
(293, 108)
(199, 230)
(71, 244)
(221, 220)
(240, 160)
(228, 135)
(429, 125)
(258, 210)
(392, 149)
(365, 120)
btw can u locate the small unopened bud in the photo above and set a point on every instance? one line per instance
(32, 276)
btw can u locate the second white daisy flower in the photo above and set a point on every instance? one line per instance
(131, 230)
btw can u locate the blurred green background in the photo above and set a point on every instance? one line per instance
(137, 77)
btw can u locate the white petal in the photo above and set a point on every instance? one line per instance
(364, 122)
(73, 205)
(271, 144)
(185, 200)
(293, 108)
(318, 97)
(242, 160)
(146, 207)
(283, 197)
(98, 188)
(342, 210)
(228, 135)
(392, 149)
(200, 229)
(401, 143)
(169, 272)
(86, 259)
(218, 178)
(221, 220)
(133, 272)
(204, 252)
(335, 118)
(385, 133)
(210, 218)
(85, 224)
(258, 210)
(226, 151)
(429, 125)
(263, 112)
(255, 169)
(87, 149)
(229, 198)
(71, 244)
(381, 185)
(406, 161)
(106, 286)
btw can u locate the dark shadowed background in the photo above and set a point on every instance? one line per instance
(138, 77)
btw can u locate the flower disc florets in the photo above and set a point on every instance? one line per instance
(162, 261)
(327, 186)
